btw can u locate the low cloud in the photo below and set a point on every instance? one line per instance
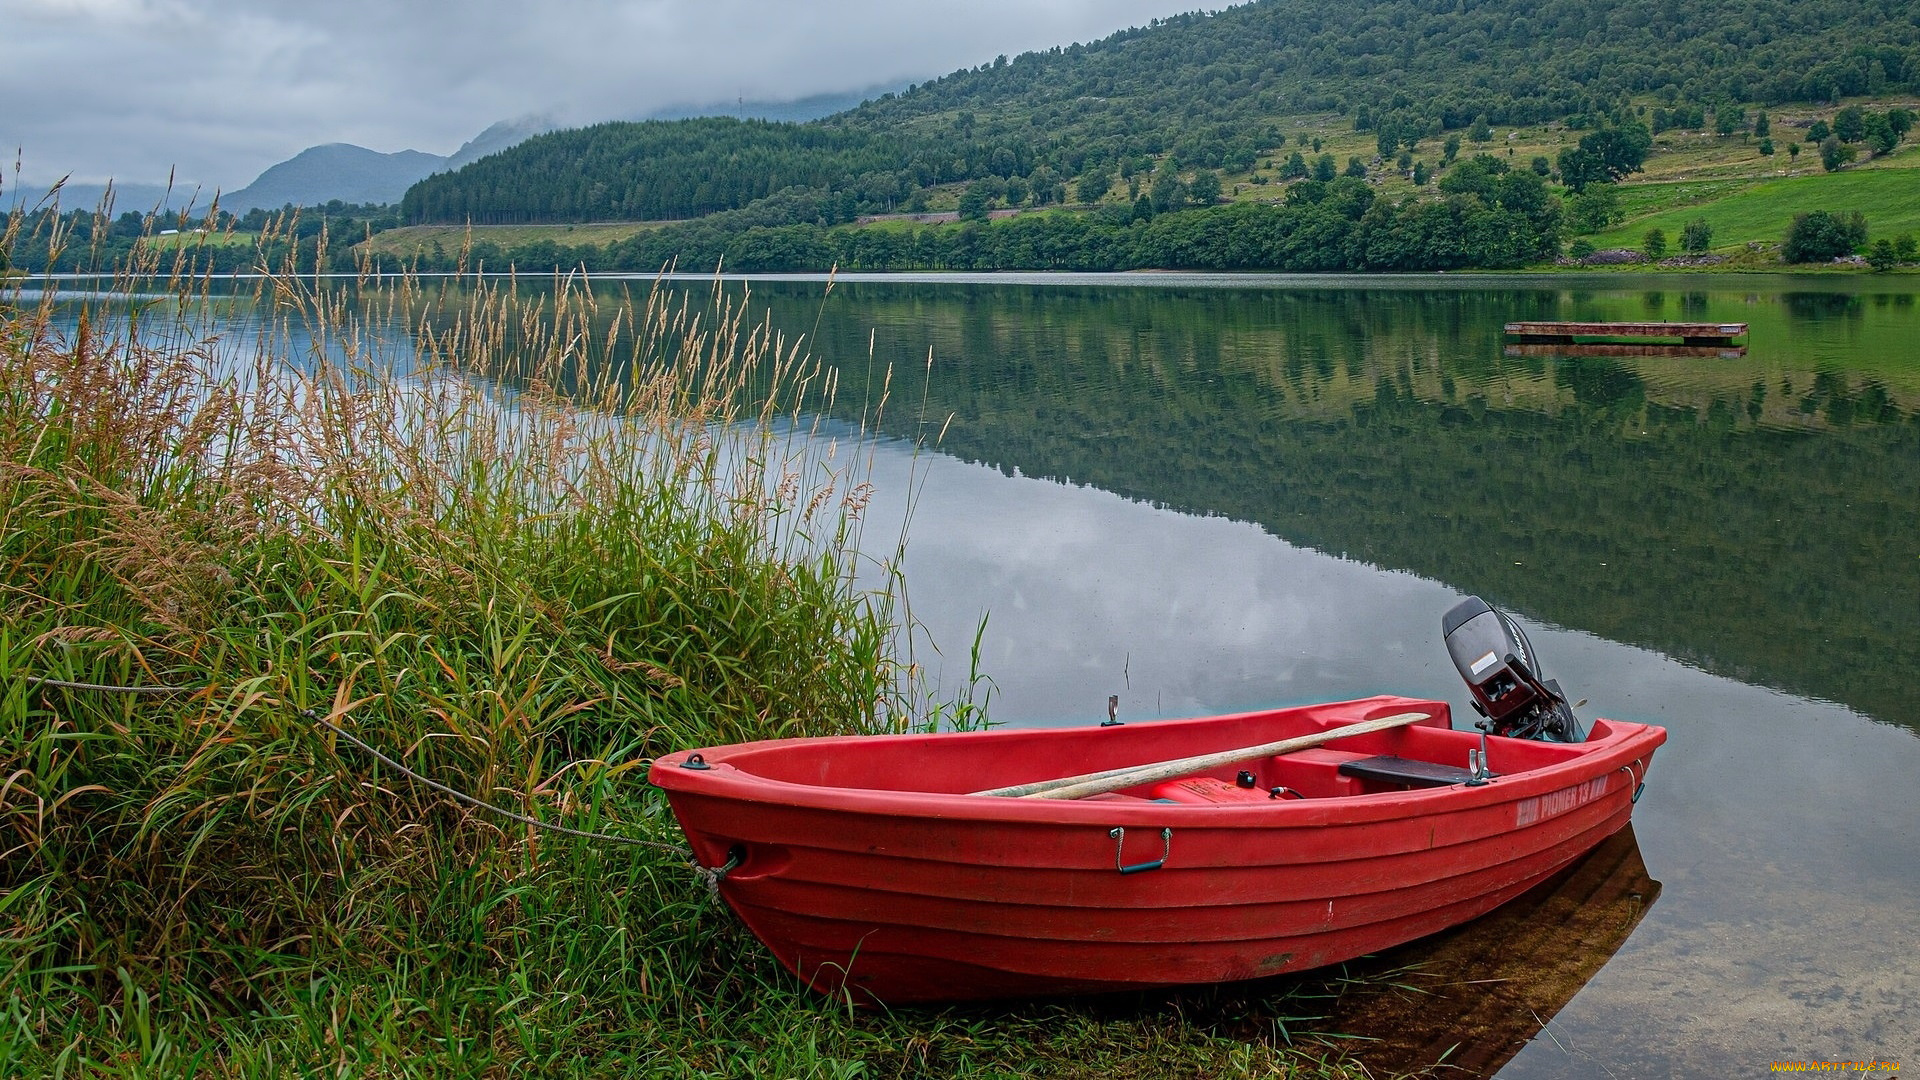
(217, 90)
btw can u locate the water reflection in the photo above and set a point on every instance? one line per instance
(1674, 502)
(1820, 307)
(1718, 352)
(1474, 997)
(1744, 515)
(1750, 517)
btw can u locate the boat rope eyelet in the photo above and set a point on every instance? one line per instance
(1119, 834)
(714, 875)
(695, 761)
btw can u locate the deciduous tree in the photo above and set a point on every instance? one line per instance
(1605, 156)
(1204, 188)
(1850, 123)
(1879, 135)
(1834, 153)
(1823, 235)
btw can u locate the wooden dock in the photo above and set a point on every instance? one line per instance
(1698, 335)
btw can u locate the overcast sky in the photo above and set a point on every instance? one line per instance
(221, 89)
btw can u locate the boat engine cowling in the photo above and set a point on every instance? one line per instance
(1503, 673)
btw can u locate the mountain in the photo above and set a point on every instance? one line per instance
(352, 174)
(1429, 65)
(314, 176)
(1227, 88)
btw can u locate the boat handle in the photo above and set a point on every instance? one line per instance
(1119, 835)
(1628, 769)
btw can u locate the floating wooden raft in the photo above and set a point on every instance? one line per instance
(1563, 333)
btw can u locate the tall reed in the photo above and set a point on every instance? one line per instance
(524, 538)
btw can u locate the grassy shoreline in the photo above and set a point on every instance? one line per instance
(522, 544)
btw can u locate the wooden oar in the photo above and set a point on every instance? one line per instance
(1097, 783)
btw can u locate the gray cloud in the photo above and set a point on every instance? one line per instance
(220, 89)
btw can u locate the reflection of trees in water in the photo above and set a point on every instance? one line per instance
(1757, 527)
(1388, 427)
(1599, 382)
(1841, 404)
(1822, 306)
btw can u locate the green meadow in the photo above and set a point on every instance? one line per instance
(409, 240)
(1887, 193)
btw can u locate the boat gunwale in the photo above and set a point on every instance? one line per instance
(1627, 743)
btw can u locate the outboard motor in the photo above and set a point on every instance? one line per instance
(1501, 669)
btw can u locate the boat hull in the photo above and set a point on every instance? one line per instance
(880, 878)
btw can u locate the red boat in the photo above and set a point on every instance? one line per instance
(877, 867)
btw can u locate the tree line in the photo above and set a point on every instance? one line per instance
(1497, 218)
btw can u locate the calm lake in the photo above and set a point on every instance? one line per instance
(1207, 494)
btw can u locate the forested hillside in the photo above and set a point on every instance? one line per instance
(1212, 90)
(1415, 65)
(650, 170)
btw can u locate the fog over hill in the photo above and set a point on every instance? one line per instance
(796, 111)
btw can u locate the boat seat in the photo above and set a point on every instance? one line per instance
(1407, 772)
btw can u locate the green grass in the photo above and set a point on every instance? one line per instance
(1640, 200)
(420, 239)
(1888, 194)
(191, 238)
(524, 544)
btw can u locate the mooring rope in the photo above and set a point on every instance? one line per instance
(107, 689)
(502, 811)
(711, 874)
